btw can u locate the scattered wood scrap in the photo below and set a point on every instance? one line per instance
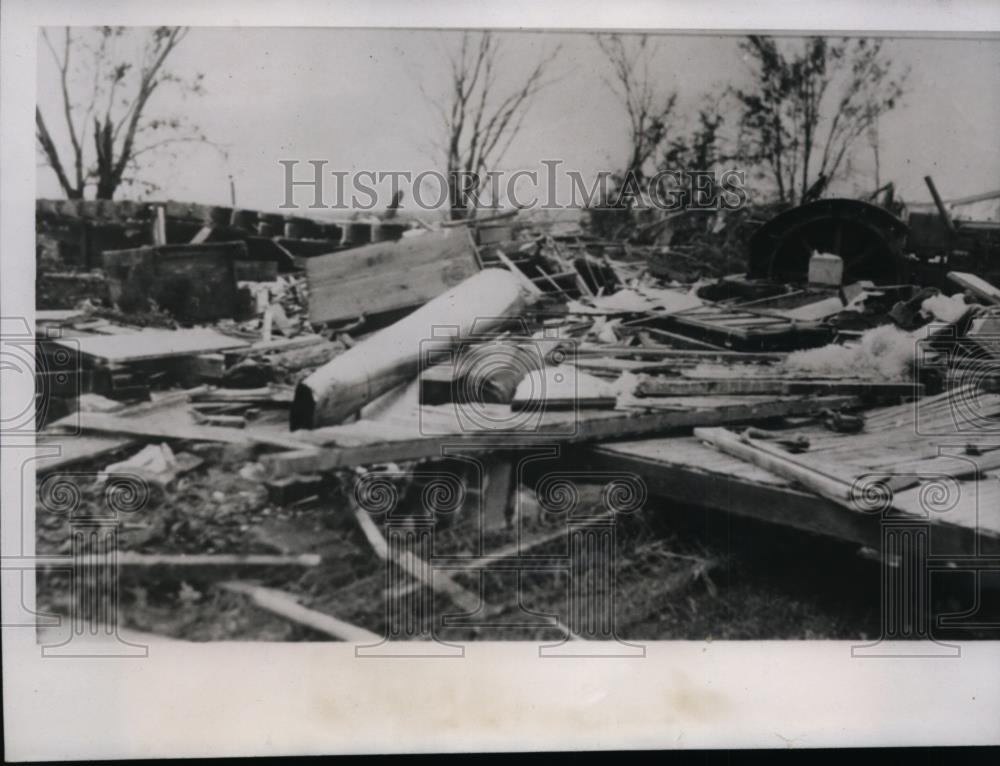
(414, 566)
(287, 605)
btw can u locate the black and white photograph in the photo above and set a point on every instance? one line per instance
(591, 343)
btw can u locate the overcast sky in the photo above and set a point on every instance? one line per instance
(353, 98)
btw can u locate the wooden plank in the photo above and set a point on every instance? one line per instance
(977, 286)
(286, 605)
(277, 345)
(190, 567)
(75, 448)
(774, 387)
(681, 341)
(415, 567)
(360, 443)
(689, 473)
(498, 490)
(387, 276)
(675, 354)
(728, 493)
(164, 428)
(149, 344)
(792, 467)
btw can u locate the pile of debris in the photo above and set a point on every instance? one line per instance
(471, 363)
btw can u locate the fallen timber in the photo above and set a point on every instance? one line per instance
(438, 428)
(393, 356)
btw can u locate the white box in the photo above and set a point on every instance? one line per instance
(826, 269)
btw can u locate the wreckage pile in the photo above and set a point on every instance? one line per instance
(280, 394)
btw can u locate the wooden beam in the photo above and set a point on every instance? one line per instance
(775, 387)
(415, 567)
(202, 567)
(149, 345)
(354, 445)
(784, 464)
(727, 493)
(976, 285)
(394, 355)
(286, 605)
(159, 428)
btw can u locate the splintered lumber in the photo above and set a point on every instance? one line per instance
(149, 345)
(976, 285)
(278, 345)
(393, 355)
(286, 605)
(388, 276)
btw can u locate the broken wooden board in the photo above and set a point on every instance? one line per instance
(149, 345)
(977, 286)
(908, 455)
(684, 470)
(173, 427)
(286, 605)
(775, 387)
(388, 276)
(424, 434)
(74, 448)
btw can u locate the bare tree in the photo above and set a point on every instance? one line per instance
(105, 104)
(648, 110)
(480, 119)
(808, 105)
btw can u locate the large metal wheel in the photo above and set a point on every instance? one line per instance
(868, 238)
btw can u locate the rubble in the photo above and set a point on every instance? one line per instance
(365, 349)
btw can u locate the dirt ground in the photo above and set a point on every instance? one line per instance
(680, 572)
